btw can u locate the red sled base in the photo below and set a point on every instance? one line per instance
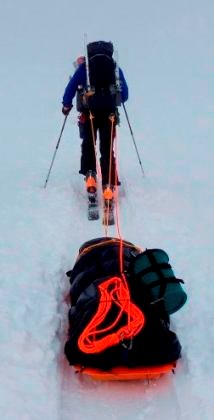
(122, 373)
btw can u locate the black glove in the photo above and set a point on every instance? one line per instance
(66, 109)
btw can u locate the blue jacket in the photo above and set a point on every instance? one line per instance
(79, 79)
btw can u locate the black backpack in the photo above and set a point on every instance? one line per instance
(102, 95)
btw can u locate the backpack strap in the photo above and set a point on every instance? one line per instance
(100, 55)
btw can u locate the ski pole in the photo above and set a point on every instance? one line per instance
(132, 134)
(88, 85)
(54, 155)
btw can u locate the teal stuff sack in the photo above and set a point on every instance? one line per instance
(155, 274)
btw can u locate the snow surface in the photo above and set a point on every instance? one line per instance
(166, 52)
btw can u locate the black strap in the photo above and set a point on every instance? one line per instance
(151, 268)
(166, 280)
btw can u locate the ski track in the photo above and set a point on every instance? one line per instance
(42, 239)
(45, 236)
(169, 396)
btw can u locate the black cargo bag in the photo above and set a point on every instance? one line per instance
(153, 343)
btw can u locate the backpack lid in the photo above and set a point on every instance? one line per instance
(100, 47)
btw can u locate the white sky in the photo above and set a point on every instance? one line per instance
(165, 49)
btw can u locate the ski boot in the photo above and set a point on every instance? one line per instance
(91, 188)
(108, 205)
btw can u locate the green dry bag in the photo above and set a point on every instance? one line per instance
(153, 270)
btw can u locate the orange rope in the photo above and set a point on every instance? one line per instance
(117, 208)
(110, 241)
(112, 291)
(121, 258)
(123, 282)
(117, 189)
(113, 131)
(112, 119)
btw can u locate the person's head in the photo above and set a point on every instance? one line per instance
(79, 61)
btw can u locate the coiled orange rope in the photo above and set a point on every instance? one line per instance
(112, 292)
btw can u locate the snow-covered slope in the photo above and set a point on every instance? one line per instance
(171, 111)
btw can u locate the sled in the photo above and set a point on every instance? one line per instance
(122, 373)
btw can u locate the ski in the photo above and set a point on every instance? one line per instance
(93, 202)
(108, 206)
(93, 206)
(108, 212)
(91, 188)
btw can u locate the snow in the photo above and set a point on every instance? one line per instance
(166, 52)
